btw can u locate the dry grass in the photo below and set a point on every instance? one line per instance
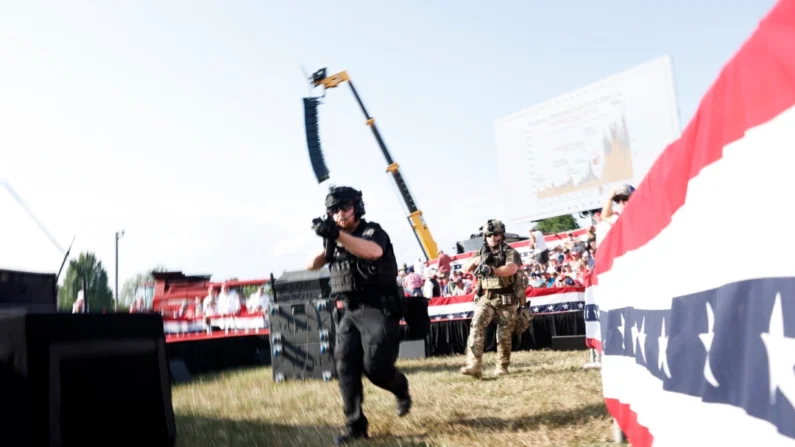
(548, 400)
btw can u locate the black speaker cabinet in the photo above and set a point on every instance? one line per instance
(302, 327)
(82, 379)
(568, 343)
(33, 292)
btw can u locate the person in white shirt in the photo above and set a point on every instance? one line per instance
(228, 301)
(258, 300)
(431, 288)
(419, 267)
(539, 246)
(611, 211)
(210, 305)
(79, 305)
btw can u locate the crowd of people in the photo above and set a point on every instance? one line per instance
(226, 301)
(564, 265)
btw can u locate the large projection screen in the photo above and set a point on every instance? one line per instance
(564, 155)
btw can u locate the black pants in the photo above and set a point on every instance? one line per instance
(367, 343)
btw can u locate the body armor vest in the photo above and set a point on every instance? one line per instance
(497, 284)
(360, 279)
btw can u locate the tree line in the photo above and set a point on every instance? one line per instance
(100, 294)
(98, 291)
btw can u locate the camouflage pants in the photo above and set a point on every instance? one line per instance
(485, 312)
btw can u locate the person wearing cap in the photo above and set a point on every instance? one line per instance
(612, 209)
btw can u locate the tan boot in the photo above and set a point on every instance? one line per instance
(501, 371)
(474, 371)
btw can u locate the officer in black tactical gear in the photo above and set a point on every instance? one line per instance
(362, 269)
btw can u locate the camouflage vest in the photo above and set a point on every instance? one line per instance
(502, 290)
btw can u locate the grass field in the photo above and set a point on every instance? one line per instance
(548, 400)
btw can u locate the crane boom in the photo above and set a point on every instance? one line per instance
(417, 222)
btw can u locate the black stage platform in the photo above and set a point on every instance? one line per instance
(220, 351)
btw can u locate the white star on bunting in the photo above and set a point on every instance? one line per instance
(640, 336)
(623, 330)
(662, 353)
(706, 340)
(780, 355)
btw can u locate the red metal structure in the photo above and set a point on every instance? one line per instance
(172, 289)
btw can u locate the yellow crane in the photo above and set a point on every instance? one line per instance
(319, 78)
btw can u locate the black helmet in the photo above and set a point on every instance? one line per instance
(338, 195)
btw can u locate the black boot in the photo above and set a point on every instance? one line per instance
(350, 436)
(403, 406)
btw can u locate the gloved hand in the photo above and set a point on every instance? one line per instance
(326, 228)
(484, 270)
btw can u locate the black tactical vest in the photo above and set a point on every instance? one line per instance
(359, 279)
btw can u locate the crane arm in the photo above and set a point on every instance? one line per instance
(418, 225)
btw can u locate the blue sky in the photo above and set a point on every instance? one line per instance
(182, 122)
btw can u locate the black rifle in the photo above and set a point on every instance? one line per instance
(484, 260)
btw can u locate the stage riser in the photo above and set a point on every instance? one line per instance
(212, 355)
(446, 338)
(450, 337)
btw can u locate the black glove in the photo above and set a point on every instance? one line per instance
(484, 270)
(326, 228)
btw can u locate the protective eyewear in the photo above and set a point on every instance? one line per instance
(341, 207)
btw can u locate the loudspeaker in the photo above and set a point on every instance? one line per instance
(179, 371)
(313, 139)
(418, 321)
(302, 326)
(301, 361)
(32, 292)
(81, 379)
(568, 343)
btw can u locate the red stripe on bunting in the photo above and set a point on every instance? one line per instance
(636, 434)
(752, 88)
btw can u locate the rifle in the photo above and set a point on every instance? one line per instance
(484, 259)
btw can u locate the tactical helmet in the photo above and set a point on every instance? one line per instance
(493, 226)
(338, 195)
(623, 192)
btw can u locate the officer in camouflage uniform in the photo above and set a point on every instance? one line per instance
(495, 265)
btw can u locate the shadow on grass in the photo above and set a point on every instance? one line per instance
(197, 430)
(546, 371)
(206, 377)
(520, 368)
(553, 419)
(433, 368)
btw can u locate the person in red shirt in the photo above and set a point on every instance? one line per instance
(443, 264)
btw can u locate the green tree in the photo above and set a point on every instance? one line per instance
(99, 294)
(131, 285)
(558, 224)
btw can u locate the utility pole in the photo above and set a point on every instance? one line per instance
(119, 234)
